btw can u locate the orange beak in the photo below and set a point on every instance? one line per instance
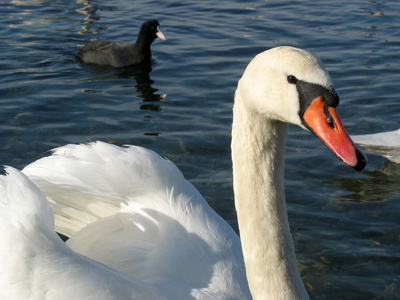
(325, 123)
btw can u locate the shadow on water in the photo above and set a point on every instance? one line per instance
(390, 152)
(140, 73)
(90, 11)
(378, 185)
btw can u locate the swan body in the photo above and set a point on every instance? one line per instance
(122, 54)
(38, 265)
(137, 206)
(133, 211)
(383, 143)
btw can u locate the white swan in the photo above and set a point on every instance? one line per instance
(133, 211)
(386, 144)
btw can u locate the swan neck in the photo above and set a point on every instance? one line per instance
(258, 152)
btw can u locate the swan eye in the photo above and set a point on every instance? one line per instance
(292, 79)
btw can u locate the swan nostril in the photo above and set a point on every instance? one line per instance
(329, 118)
(330, 122)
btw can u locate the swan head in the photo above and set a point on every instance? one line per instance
(291, 85)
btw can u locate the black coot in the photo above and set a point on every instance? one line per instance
(121, 54)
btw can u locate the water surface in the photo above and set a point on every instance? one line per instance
(345, 224)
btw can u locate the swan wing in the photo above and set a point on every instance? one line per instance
(133, 210)
(386, 144)
(36, 264)
(85, 183)
(384, 139)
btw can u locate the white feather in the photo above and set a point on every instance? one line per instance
(386, 144)
(132, 210)
(152, 223)
(37, 265)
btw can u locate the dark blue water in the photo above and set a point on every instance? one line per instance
(345, 224)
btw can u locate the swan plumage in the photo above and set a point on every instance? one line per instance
(132, 210)
(36, 264)
(110, 188)
(385, 143)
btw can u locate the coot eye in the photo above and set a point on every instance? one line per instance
(292, 79)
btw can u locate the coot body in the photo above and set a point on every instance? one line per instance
(122, 54)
